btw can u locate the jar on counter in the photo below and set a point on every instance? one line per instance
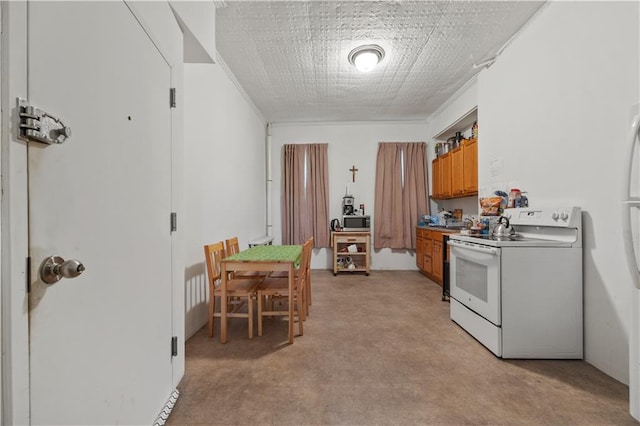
(514, 198)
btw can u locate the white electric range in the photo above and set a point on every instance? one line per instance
(522, 297)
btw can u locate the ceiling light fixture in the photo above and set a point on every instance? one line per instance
(366, 57)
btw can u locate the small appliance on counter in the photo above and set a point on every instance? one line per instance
(347, 205)
(353, 223)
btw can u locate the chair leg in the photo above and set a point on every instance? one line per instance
(212, 310)
(260, 307)
(250, 315)
(300, 308)
(305, 302)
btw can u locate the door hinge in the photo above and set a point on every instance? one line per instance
(174, 346)
(172, 97)
(174, 221)
(28, 274)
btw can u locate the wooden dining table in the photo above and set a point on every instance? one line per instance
(267, 258)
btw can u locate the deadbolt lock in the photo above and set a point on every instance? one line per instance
(39, 126)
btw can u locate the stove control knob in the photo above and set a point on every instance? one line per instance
(555, 215)
(564, 216)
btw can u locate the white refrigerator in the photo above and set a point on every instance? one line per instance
(631, 234)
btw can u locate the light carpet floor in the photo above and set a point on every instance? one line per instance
(381, 350)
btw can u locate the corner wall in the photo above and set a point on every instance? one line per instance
(224, 176)
(554, 109)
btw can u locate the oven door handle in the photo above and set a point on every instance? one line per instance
(474, 247)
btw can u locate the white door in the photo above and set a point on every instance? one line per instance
(100, 344)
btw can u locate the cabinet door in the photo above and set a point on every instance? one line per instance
(426, 242)
(445, 175)
(419, 251)
(436, 261)
(457, 171)
(470, 149)
(427, 264)
(426, 250)
(436, 185)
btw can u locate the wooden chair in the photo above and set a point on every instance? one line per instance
(278, 288)
(307, 281)
(232, 246)
(239, 290)
(307, 287)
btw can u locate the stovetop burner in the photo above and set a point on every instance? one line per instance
(516, 240)
(514, 237)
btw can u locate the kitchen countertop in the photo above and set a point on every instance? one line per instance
(441, 229)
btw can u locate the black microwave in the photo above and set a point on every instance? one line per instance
(356, 223)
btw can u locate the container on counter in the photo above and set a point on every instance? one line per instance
(524, 201)
(484, 226)
(514, 198)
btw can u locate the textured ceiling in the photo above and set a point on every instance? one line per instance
(290, 57)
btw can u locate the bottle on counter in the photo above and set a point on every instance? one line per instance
(474, 130)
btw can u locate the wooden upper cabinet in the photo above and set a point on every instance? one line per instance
(457, 171)
(470, 149)
(436, 186)
(455, 174)
(445, 175)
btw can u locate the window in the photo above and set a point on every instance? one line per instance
(305, 206)
(401, 194)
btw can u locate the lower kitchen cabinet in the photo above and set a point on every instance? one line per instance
(430, 254)
(351, 252)
(436, 257)
(419, 250)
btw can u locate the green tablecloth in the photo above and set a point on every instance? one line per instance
(269, 254)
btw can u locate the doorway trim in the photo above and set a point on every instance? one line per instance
(13, 220)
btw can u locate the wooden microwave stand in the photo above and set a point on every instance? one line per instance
(341, 241)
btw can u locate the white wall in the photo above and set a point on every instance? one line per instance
(446, 116)
(349, 144)
(555, 108)
(224, 176)
(456, 107)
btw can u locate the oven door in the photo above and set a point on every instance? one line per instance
(474, 275)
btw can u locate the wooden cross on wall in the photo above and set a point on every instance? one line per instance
(353, 171)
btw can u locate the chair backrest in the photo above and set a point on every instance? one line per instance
(305, 259)
(213, 254)
(310, 241)
(233, 246)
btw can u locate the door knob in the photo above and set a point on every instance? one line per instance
(54, 268)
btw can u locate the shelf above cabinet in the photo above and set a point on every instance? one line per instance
(460, 125)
